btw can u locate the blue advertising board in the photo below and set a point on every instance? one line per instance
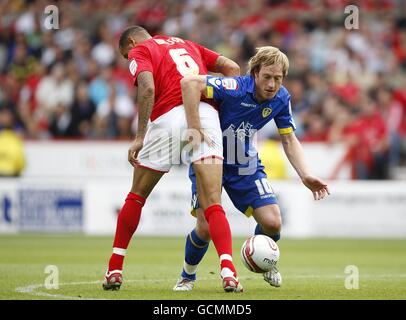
(53, 210)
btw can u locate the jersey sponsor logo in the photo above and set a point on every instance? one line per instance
(133, 67)
(248, 105)
(266, 112)
(215, 82)
(243, 130)
(229, 84)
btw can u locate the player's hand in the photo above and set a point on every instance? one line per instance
(135, 148)
(317, 186)
(197, 136)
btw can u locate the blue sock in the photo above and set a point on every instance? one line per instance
(195, 250)
(274, 237)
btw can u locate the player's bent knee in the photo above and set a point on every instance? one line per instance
(269, 218)
(272, 227)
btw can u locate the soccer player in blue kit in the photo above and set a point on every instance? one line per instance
(246, 104)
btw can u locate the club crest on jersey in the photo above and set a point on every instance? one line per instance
(266, 112)
(229, 84)
(133, 67)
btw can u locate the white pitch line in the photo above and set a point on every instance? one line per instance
(32, 288)
(338, 276)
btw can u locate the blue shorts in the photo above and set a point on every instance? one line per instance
(247, 192)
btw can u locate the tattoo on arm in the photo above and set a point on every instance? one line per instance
(145, 100)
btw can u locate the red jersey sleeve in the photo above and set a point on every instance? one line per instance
(209, 57)
(139, 59)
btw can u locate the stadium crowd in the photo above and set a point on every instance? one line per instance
(347, 85)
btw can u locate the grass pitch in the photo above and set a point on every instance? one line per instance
(311, 269)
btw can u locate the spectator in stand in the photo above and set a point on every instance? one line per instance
(60, 122)
(12, 159)
(99, 86)
(315, 128)
(82, 111)
(22, 64)
(104, 52)
(375, 133)
(392, 112)
(366, 137)
(400, 96)
(54, 95)
(116, 114)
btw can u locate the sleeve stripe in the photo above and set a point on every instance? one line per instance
(209, 92)
(285, 130)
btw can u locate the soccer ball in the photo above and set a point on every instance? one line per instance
(259, 253)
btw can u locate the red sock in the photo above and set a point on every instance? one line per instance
(127, 222)
(220, 233)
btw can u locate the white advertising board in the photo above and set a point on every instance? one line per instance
(50, 159)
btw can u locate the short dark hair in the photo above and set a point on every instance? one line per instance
(131, 31)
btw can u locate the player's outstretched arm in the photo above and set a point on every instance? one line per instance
(145, 102)
(294, 152)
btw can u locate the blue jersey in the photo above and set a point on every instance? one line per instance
(241, 116)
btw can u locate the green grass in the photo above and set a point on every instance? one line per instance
(311, 269)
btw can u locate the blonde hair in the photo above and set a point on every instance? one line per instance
(268, 56)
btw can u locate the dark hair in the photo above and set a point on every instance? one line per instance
(131, 31)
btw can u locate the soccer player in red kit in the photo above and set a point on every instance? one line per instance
(157, 65)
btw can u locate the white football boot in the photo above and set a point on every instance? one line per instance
(184, 284)
(273, 277)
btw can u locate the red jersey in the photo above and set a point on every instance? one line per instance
(169, 59)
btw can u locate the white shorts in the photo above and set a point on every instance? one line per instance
(166, 144)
